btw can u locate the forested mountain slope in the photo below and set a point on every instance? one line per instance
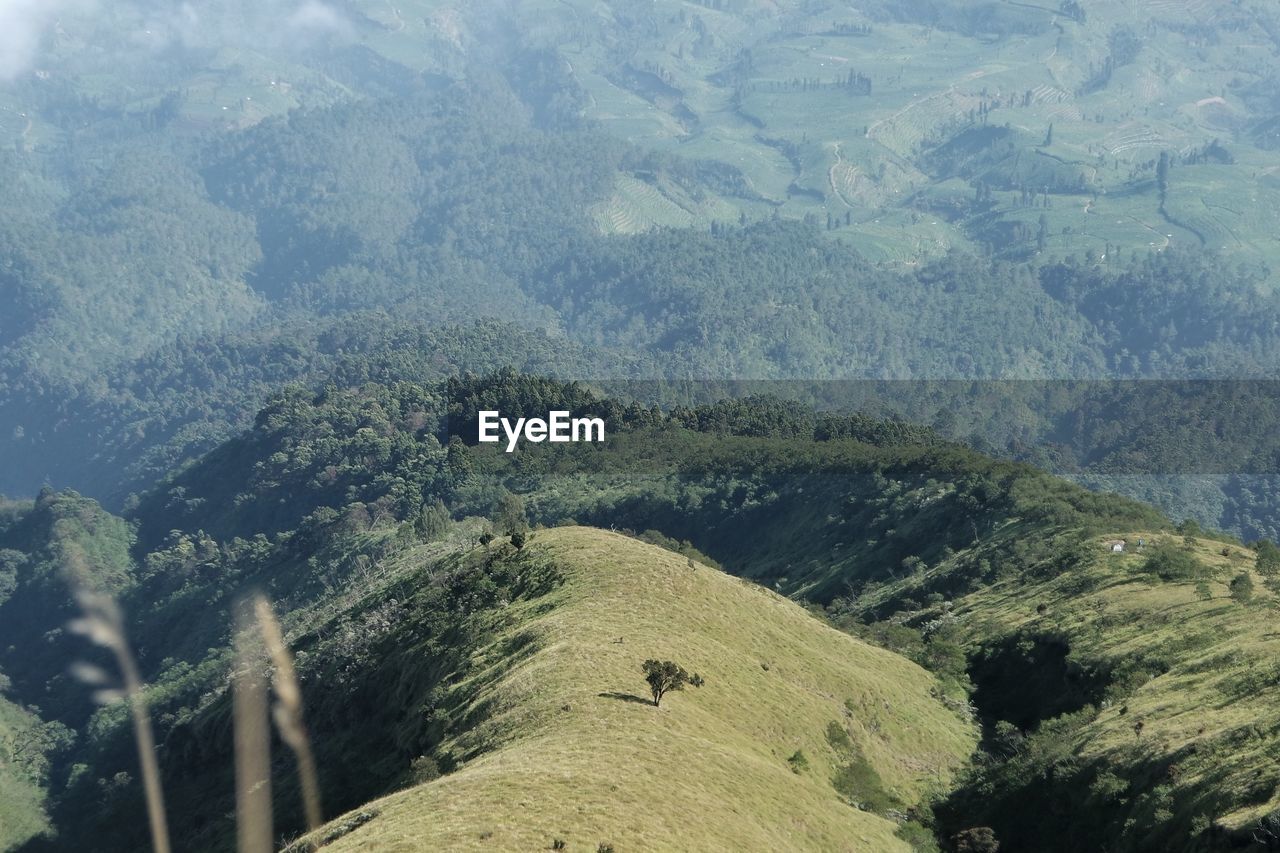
(360, 513)
(908, 128)
(253, 255)
(660, 192)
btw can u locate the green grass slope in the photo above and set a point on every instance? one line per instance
(574, 752)
(1143, 698)
(1203, 683)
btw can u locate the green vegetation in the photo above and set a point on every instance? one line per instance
(1173, 563)
(1151, 738)
(26, 749)
(565, 722)
(905, 130)
(384, 204)
(437, 656)
(1241, 588)
(664, 676)
(253, 257)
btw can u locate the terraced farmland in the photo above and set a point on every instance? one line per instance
(833, 114)
(769, 93)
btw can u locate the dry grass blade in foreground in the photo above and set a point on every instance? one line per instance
(288, 709)
(103, 624)
(252, 740)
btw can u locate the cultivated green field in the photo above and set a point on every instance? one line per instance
(906, 133)
(761, 87)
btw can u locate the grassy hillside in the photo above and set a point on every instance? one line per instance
(1129, 703)
(574, 752)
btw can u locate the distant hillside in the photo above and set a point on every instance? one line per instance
(942, 189)
(906, 128)
(758, 759)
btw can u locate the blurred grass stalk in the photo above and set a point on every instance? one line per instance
(259, 645)
(288, 709)
(252, 739)
(103, 624)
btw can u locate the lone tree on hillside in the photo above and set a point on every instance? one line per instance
(432, 521)
(664, 676)
(511, 518)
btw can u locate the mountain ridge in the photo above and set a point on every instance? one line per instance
(584, 759)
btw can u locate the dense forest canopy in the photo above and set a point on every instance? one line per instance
(175, 249)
